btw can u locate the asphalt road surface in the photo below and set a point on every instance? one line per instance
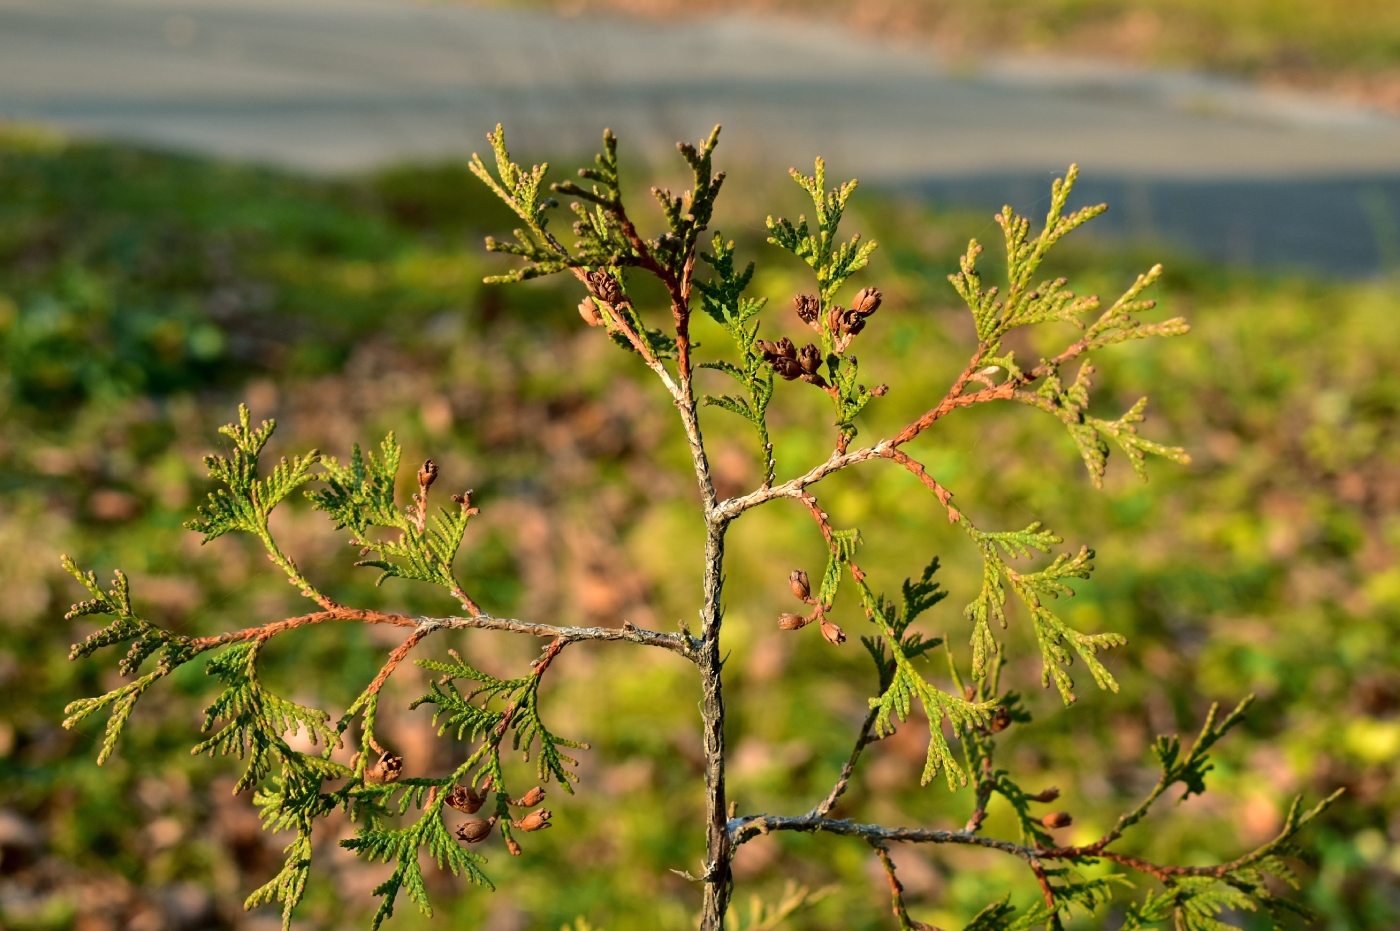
(334, 86)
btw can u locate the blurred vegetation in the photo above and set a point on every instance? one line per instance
(1352, 45)
(142, 296)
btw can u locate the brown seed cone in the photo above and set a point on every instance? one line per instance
(388, 768)
(1048, 795)
(605, 286)
(867, 301)
(532, 798)
(1001, 720)
(475, 830)
(428, 474)
(808, 308)
(590, 313)
(465, 800)
(793, 621)
(789, 369)
(832, 633)
(1057, 819)
(800, 585)
(810, 358)
(536, 820)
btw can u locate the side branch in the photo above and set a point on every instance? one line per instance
(676, 643)
(747, 827)
(886, 449)
(823, 808)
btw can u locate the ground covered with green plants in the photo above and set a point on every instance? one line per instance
(143, 296)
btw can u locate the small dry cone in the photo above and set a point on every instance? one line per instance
(832, 633)
(465, 800)
(793, 621)
(808, 310)
(536, 820)
(1047, 795)
(800, 585)
(1057, 819)
(387, 769)
(588, 310)
(1001, 720)
(475, 830)
(530, 799)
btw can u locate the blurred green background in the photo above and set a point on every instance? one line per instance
(142, 296)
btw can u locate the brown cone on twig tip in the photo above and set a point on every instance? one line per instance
(799, 583)
(387, 769)
(808, 310)
(793, 621)
(832, 633)
(1048, 795)
(428, 474)
(475, 830)
(465, 800)
(1057, 819)
(1001, 720)
(536, 820)
(530, 799)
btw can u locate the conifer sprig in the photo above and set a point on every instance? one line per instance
(722, 299)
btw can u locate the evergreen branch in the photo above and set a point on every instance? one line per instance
(519, 189)
(907, 684)
(722, 299)
(289, 885)
(123, 701)
(247, 499)
(401, 846)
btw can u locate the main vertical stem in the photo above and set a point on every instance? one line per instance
(718, 882)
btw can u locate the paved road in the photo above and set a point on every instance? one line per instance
(342, 85)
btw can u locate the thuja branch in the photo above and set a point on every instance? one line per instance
(296, 787)
(414, 542)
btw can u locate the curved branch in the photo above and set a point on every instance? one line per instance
(886, 449)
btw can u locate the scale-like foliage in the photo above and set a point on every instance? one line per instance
(248, 498)
(902, 684)
(1002, 916)
(471, 718)
(256, 720)
(1033, 589)
(401, 847)
(722, 299)
(834, 262)
(360, 496)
